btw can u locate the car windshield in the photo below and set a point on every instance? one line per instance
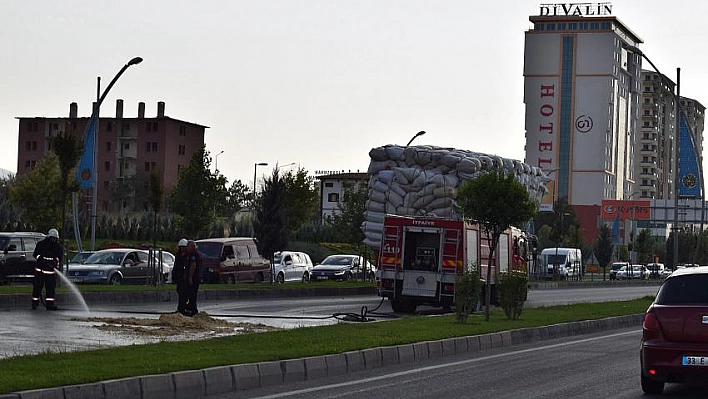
(337, 260)
(80, 257)
(210, 250)
(105, 258)
(617, 267)
(684, 290)
(553, 259)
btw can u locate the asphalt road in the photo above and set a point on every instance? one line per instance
(590, 366)
(68, 329)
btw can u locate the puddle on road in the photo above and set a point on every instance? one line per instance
(173, 327)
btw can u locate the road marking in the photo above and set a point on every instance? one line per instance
(440, 366)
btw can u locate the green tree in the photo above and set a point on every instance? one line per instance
(238, 196)
(195, 195)
(38, 194)
(269, 225)
(301, 199)
(346, 222)
(495, 201)
(603, 248)
(645, 247)
(68, 148)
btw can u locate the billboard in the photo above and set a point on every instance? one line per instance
(626, 210)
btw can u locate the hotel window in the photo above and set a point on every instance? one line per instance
(550, 26)
(594, 26)
(561, 26)
(538, 27)
(573, 25)
(583, 26)
(606, 25)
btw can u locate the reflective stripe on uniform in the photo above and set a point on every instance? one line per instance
(48, 272)
(49, 299)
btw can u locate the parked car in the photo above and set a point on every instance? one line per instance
(232, 260)
(168, 263)
(16, 260)
(116, 266)
(614, 268)
(655, 270)
(343, 267)
(666, 273)
(291, 266)
(674, 345)
(632, 272)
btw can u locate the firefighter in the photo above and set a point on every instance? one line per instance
(178, 276)
(49, 254)
(193, 276)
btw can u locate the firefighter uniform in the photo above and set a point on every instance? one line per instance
(49, 254)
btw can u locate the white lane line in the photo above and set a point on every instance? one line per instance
(440, 366)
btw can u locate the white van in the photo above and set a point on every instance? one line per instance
(562, 262)
(291, 266)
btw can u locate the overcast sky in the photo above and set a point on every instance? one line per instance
(317, 83)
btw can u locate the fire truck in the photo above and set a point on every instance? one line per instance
(420, 257)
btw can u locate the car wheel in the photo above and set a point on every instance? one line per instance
(230, 279)
(652, 387)
(258, 278)
(116, 279)
(280, 278)
(306, 277)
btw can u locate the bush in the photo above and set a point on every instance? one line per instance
(513, 287)
(467, 289)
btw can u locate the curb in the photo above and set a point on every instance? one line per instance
(153, 296)
(224, 379)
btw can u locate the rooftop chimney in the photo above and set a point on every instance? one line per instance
(119, 109)
(160, 108)
(73, 110)
(141, 110)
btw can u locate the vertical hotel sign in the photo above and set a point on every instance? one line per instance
(541, 128)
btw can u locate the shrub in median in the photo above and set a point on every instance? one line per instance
(513, 287)
(467, 289)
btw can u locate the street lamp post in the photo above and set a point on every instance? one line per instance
(677, 184)
(255, 167)
(420, 133)
(632, 221)
(96, 114)
(216, 161)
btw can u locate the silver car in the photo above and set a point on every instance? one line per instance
(117, 266)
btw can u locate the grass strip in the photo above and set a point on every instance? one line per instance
(69, 368)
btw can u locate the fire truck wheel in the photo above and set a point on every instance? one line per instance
(399, 306)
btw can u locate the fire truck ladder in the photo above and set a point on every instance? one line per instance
(450, 256)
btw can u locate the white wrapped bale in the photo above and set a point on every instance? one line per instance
(423, 180)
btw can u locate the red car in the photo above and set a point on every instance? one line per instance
(675, 332)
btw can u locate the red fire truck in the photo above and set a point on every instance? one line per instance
(420, 257)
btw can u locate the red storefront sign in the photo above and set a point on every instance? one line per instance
(627, 210)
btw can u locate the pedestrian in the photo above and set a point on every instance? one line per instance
(194, 273)
(49, 254)
(179, 274)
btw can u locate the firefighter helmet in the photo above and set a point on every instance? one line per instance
(53, 233)
(182, 243)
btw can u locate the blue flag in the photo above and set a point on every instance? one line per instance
(85, 173)
(616, 230)
(690, 178)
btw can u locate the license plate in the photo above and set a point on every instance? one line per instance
(76, 280)
(695, 361)
(322, 277)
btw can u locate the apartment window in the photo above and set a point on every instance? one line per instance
(126, 146)
(33, 164)
(149, 126)
(150, 166)
(106, 184)
(182, 150)
(182, 130)
(108, 145)
(27, 164)
(107, 166)
(28, 146)
(333, 197)
(154, 126)
(109, 126)
(151, 146)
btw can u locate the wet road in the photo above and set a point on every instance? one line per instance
(24, 331)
